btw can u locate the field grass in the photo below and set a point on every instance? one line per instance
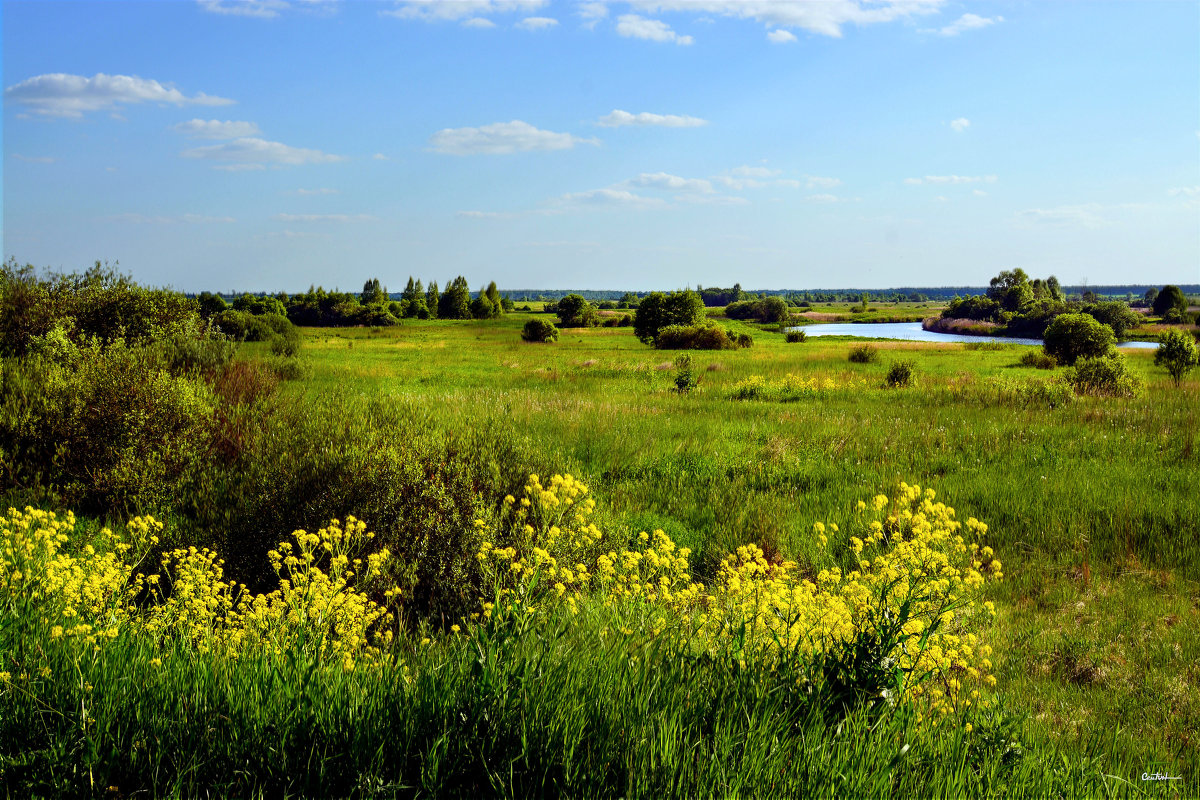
(1093, 505)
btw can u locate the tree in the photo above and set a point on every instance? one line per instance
(1177, 352)
(1011, 289)
(211, 303)
(539, 330)
(455, 302)
(576, 312)
(493, 294)
(372, 292)
(1150, 296)
(657, 310)
(1115, 314)
(1071, 337)
(1169, 297)
(431, 298)
(483, 308)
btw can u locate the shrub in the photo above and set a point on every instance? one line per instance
(1071, 337)
(1107, 376)
(796, 336)
(539, 330)
(576, 312)
(1177, 352)
(685, 377)
(864, 354)
(901, 373)
(1169, 297)
(700, 337)
(1039, 359)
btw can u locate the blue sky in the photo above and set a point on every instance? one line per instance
(274, 144)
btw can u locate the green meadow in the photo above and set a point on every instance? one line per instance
(1093, 505)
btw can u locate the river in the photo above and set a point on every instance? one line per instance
(913, 332)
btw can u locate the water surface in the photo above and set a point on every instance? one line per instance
(913, 332)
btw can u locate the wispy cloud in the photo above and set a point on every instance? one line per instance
(780, 36)
(324, 218)
(618, 118)
(939, 180)
(185, 219)
(451, 10)
(817, 182)
(961, 124)
(259, 9)
(501, 138)
(674, 183)
(536, 23)
(636, 27)
(61, 95)
(251, 153)
(1082, 216)
(33, 159)
(215, 129)
(610, 198)
(967, 22)
(825, 17)
(478, 22)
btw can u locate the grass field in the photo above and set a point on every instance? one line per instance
(1093, 505)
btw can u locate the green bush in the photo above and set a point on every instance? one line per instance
(1039, 359)
(864, 354)
(1107, 376)
(1178, 353)
(901, 374)
(576, 312)
(1071, 337)
(796, 336)
(685, 377)
(539, 330)
(656, 311)
(700, 337)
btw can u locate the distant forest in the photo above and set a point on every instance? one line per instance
(723, 297)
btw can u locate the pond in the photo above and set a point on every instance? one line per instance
(912, 331)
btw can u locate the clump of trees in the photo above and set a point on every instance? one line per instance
(768, 310)
(700, 337)
(658, 310)
(576, 312)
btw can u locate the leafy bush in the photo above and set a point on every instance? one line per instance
(685, 377)
(1169, 297)
(1116, 314)
(700, 337)
(657, 310)
(795, 336)
(576, 312)
(1107, 376)
(539, 330)
(901, 373)
(1178, 353)
(1039, 359)
(1071, 337)
(864, 354)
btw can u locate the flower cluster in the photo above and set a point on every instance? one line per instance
(789, 388)
(321, 604)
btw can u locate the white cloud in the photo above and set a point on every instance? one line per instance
(314, 192)
(484, 215)
(823, 198)
(442, 10)
(754, 172)
(950, 179)
(967, 22)
(324, 218)
(478, 22)
(380, 157)
(817, 182)
(825, 17)
(592, 11)
(619, 118)
(62, 95)
(261, 9)
(674, 183)
(979, 193)
(33, 159)
(789, 183)
(1184, 191)
(250, 153)
(600, 198)
(215, 129)
(961, 124)
(536, 23)
(635, 27)
(501, 138)
(1082, 216)
(780, 36)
